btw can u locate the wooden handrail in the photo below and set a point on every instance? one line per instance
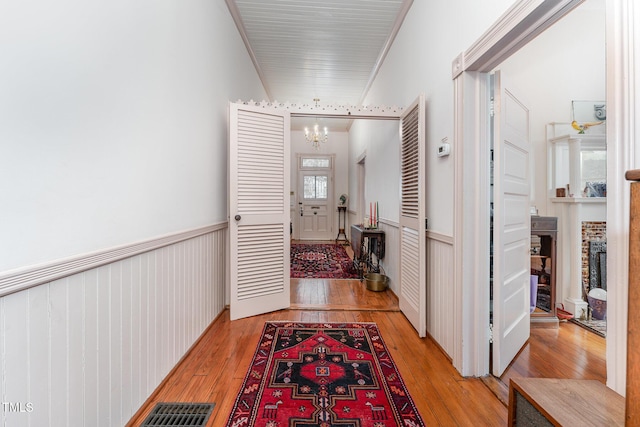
(632, 412)
(632, 175)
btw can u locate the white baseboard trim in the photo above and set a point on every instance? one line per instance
(24, 278)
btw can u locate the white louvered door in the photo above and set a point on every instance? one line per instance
(413, 291)
(259, 183)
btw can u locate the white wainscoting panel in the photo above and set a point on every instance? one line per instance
(440, 291)
(391, 253)
(352, 219)
(90, 348)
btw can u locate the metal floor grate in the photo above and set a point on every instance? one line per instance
(179, 415)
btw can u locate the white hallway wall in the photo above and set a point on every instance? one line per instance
(113, 130)
(113, 122)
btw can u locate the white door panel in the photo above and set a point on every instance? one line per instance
(413, 282)
(512, 227)
(259, 210)
(307, 224)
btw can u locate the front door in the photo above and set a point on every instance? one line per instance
(511, 226)
(259, 210)
(315, 202)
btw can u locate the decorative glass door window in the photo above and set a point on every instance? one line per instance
(316, 187)
(316, 162)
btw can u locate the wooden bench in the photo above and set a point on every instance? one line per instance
(563, 402)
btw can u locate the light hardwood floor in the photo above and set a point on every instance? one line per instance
(214, 369)
(569, 352)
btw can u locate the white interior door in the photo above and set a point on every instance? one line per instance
(512, 226)
(259, 184)
(413, 262)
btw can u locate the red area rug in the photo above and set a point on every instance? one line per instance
(321, 261)
(322, 375)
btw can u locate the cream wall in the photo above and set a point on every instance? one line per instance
(113, 122)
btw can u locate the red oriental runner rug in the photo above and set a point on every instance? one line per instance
(321, 375)
(321, 261)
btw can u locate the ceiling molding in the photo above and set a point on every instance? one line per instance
(387, 46)
(235, 14)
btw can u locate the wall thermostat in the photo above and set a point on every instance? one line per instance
(444, 149)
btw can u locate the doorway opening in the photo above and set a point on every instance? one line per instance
(471, 110)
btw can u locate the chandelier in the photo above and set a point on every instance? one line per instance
(316, 137)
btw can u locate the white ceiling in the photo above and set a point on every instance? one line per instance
(325, 49)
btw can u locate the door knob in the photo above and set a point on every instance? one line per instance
(238, 217)
(315, 213)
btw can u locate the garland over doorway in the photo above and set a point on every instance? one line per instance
(378, 112)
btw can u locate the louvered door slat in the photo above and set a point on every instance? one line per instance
(409, 268)
(410, 163)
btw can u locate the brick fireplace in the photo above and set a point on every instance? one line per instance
(594, 238)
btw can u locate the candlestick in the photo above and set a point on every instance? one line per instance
(375, 214)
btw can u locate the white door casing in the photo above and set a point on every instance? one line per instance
(512, 226)
(259, 185)
(413, 292)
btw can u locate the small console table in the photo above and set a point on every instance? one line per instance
(367, 242)
(342, 224)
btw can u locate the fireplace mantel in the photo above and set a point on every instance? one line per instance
(572, 213)
(588, 200)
